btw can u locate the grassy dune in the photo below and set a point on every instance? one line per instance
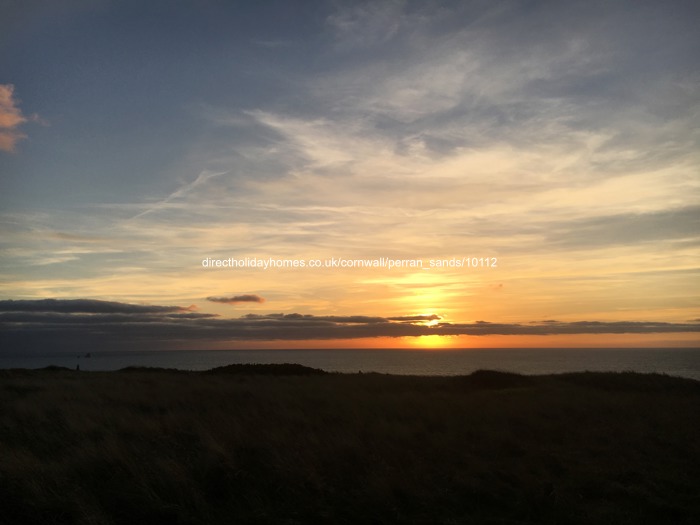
(292, 445)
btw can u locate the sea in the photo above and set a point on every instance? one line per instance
(681, 362)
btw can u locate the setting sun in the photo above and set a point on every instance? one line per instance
(432, 341)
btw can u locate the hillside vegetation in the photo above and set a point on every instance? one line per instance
(296, 445)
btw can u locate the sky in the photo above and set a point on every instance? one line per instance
(530, 168)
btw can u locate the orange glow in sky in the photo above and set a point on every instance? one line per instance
(567, 160)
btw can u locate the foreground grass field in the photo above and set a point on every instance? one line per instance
(287, 445)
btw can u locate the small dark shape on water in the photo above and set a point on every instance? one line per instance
(283, 369)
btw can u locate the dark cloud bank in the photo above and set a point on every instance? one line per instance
(235, 299)
(57, 324)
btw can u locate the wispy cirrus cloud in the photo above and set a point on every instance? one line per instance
(178, 194)
(365, 25)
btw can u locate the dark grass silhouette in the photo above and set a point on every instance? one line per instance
(285, 444)
(283, 369)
